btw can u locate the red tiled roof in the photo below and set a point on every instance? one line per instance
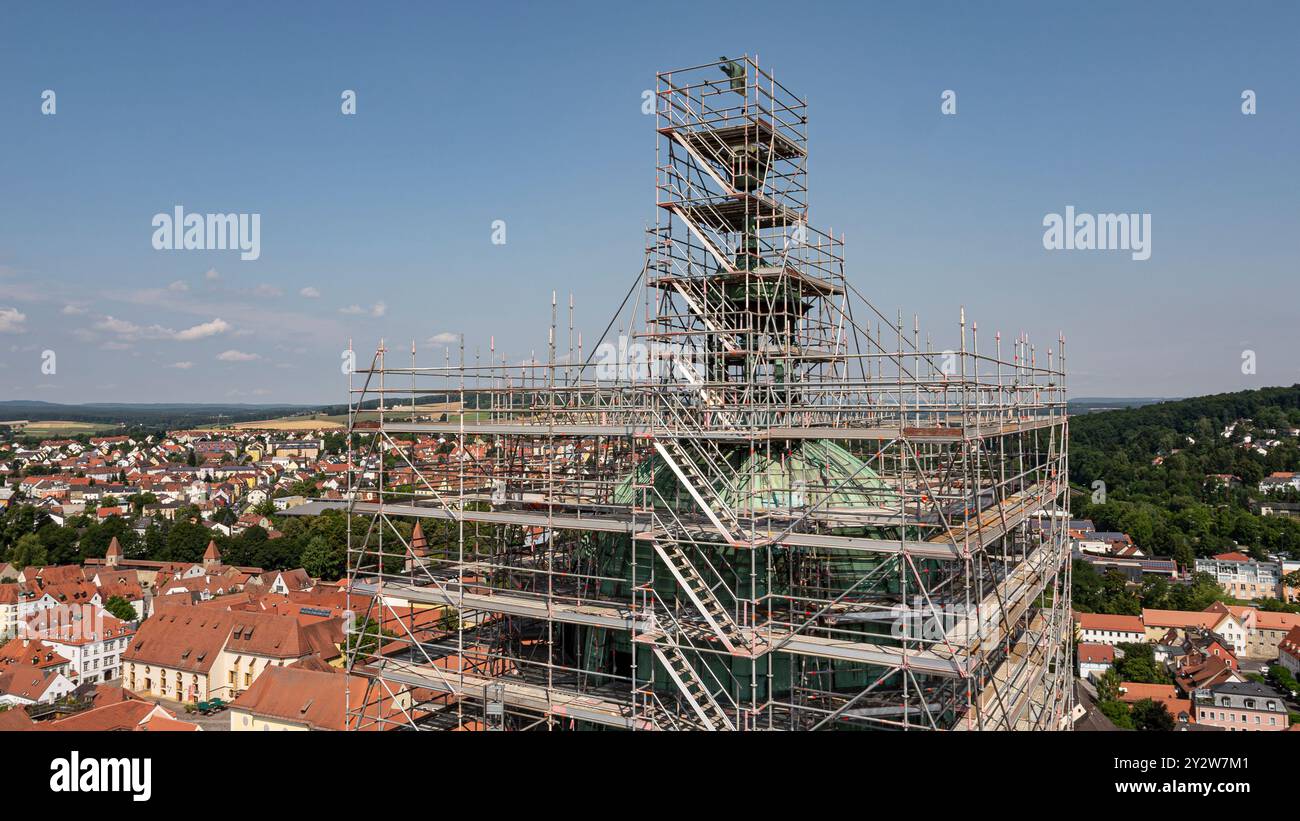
(1106, 621)
(1090, 653)
(26, 681)
(312, 698)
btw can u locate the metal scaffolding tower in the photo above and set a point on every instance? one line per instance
(758, 504)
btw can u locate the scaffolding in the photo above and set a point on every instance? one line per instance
(756, 502)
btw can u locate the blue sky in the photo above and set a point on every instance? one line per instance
(530, 113)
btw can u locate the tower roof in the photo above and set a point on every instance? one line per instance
(418, 543)
(114, 549)
(212, 553)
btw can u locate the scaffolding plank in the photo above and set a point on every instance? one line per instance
(617, 617)
(622, 523)
(543, 428)
(550, 701)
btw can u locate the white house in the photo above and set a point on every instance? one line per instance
(90, 638)
(1095, 660)
(1102, 628)
(22, 684)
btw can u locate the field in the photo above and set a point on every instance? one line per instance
(53, 428)
(323, 421)
(318, 421)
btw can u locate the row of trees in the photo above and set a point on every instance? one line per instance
(1094, 592)
(316, 543)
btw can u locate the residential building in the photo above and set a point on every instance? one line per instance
(1243, 577)
(92, 640)
(1095, 660)
(1102, 628)
(1180, 709)
(195, 653)
(301, 698)
(22, 684)
(1241, 705)
(1288, 651)
(1280, 480)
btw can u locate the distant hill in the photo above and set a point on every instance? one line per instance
(1094, 404)
(153, 414)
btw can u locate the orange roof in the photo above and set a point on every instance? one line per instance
(156, 723)
(32, 653)
(1181, 618)
(1290, 643)
(13, 720)
(26, 681)
(310, 697)
(1106, 621)
(1090, 653)
(123, 715)
(1268, 620)
(1234, 556)
(1166, 694)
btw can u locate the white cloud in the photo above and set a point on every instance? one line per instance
(121, 327)
(309, 292)
(179, 286)
(377, 310)
(73, 310)
(237, 356)
(203, 330)
(266, 290)
(128, 331)
(446, 338)
(183, 366)
(12, 321)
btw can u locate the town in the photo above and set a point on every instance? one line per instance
(158, 582)
(1196, 641)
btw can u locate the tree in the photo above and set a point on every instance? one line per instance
(29, 552)
(1138, 664)
(1108, 686)
(1117, 712)
(1150, 716)
(321, 561)
(121, 608)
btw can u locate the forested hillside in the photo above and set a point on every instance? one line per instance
(1155, 463)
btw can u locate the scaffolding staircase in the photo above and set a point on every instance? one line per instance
(700, 594)
(697, 484)
(697, 695)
